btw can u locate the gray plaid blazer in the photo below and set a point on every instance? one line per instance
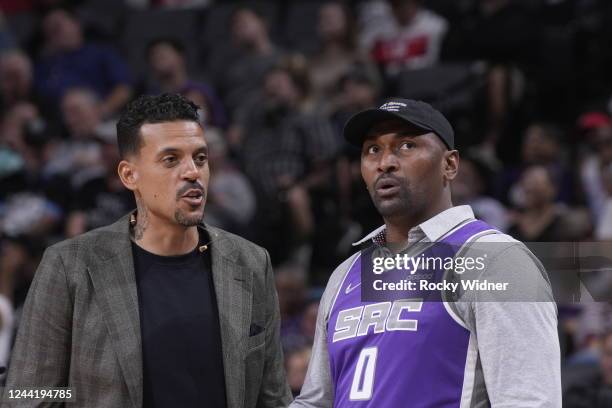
(80, 326)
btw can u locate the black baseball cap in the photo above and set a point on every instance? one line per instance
(417, 113)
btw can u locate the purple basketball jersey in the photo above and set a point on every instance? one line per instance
(402, 353)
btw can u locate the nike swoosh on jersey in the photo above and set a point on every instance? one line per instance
(349, 289)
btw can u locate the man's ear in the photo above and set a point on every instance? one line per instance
(128, 174)
(450, 165)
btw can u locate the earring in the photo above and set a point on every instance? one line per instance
(132, 219)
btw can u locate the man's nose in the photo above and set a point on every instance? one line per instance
(190, 171)
(388, 162)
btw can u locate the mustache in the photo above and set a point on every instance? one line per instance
(385, 177)
(195, 185)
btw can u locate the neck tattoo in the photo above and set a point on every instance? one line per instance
(142, 220)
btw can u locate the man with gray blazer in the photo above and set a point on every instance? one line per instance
(157, 309)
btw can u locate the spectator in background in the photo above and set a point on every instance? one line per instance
(587, 126)
(470, 187)
(26, 148)
(82, 114)
(603, 227)
(168, 69)
(12, 256)
(541, 145)
(78, 156)
(538, 217)
(504, 34)
(68, 61)
(29, 221)
(309, 320)
(360, 89)
(593, 170)
(291, 286)
(230, 202)
(240, 73)
(15, 79)
(594, 392)
(26, 145)
(286, 148)
(586, 135)
(103, 198)
(15, 123)
(27, 226)
(337, 52)
(297, 366)
(413, 40)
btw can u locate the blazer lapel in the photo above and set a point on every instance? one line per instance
(114, 282)
(233, 289)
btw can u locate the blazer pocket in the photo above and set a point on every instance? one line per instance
(257, 328)
(257, 340)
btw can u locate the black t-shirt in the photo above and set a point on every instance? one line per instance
(179, 320)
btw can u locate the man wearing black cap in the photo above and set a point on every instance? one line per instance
(467, 347)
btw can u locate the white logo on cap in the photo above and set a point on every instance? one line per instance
(393, 106)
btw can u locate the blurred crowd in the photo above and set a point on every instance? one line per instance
(526, 84)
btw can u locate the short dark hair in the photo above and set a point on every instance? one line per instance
(166, 107)
(173, 43)
(249, 9)
(68, 10)
(296, 66)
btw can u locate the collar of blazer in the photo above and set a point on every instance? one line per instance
(111, 269)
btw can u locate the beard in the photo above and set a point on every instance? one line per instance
(188, 220)
(184, 218)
